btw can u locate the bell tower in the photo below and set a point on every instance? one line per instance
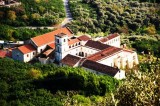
(61, 45)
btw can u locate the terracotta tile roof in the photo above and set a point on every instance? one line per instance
(104, 53)
(26, 48)
(111, 71)
(73, 41)
(3, 53)
(48, 52)
(52, 45)
(109, 37)
(50, 37)
(70, 60)
(96, 45)
(84, 38)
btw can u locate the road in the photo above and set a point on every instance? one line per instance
(68, 13)
(68, 19)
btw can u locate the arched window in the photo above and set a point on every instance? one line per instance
(64, 40)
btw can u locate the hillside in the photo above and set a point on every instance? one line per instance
(137, 21)
(94, 16)
(33, 13)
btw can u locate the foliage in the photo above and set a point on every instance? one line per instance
(33, 13)
(35, 73)
(147, 46)
(94, 16)
(10, 33)
(140, 89)
(37, 84)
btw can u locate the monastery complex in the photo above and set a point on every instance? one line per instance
(101, 56)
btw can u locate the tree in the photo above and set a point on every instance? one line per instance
(35, 16)
(151, 30)
(11, 15)
(139, 89)
(35, 73)
(25, 17)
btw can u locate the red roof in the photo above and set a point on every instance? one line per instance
(52, 45)
(48, 52)
(96, 44)
(50, 37)
(73, 41)
(104, 53)
(111, 36)
(84, 38)
(70, 60)
(100, 67)
(5, 53)
(26, 48)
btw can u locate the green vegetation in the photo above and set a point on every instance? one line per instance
(39, 84)
(147, 46)
(50, 85)
(11, 33)
(33, 13)
(94, 16)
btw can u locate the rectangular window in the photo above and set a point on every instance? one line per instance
(57, 40)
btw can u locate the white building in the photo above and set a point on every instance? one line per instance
(40, 44)
(24, 53)
(103, 56)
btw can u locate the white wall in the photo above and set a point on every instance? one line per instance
(120, 75)
(122, 59)
(110, 59)
(29, 56)
(41, 48)
(114, 42)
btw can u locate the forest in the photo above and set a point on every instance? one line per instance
(33, 13)
(13, 20)
(94, 16)
(38, 84)
(51, 85)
